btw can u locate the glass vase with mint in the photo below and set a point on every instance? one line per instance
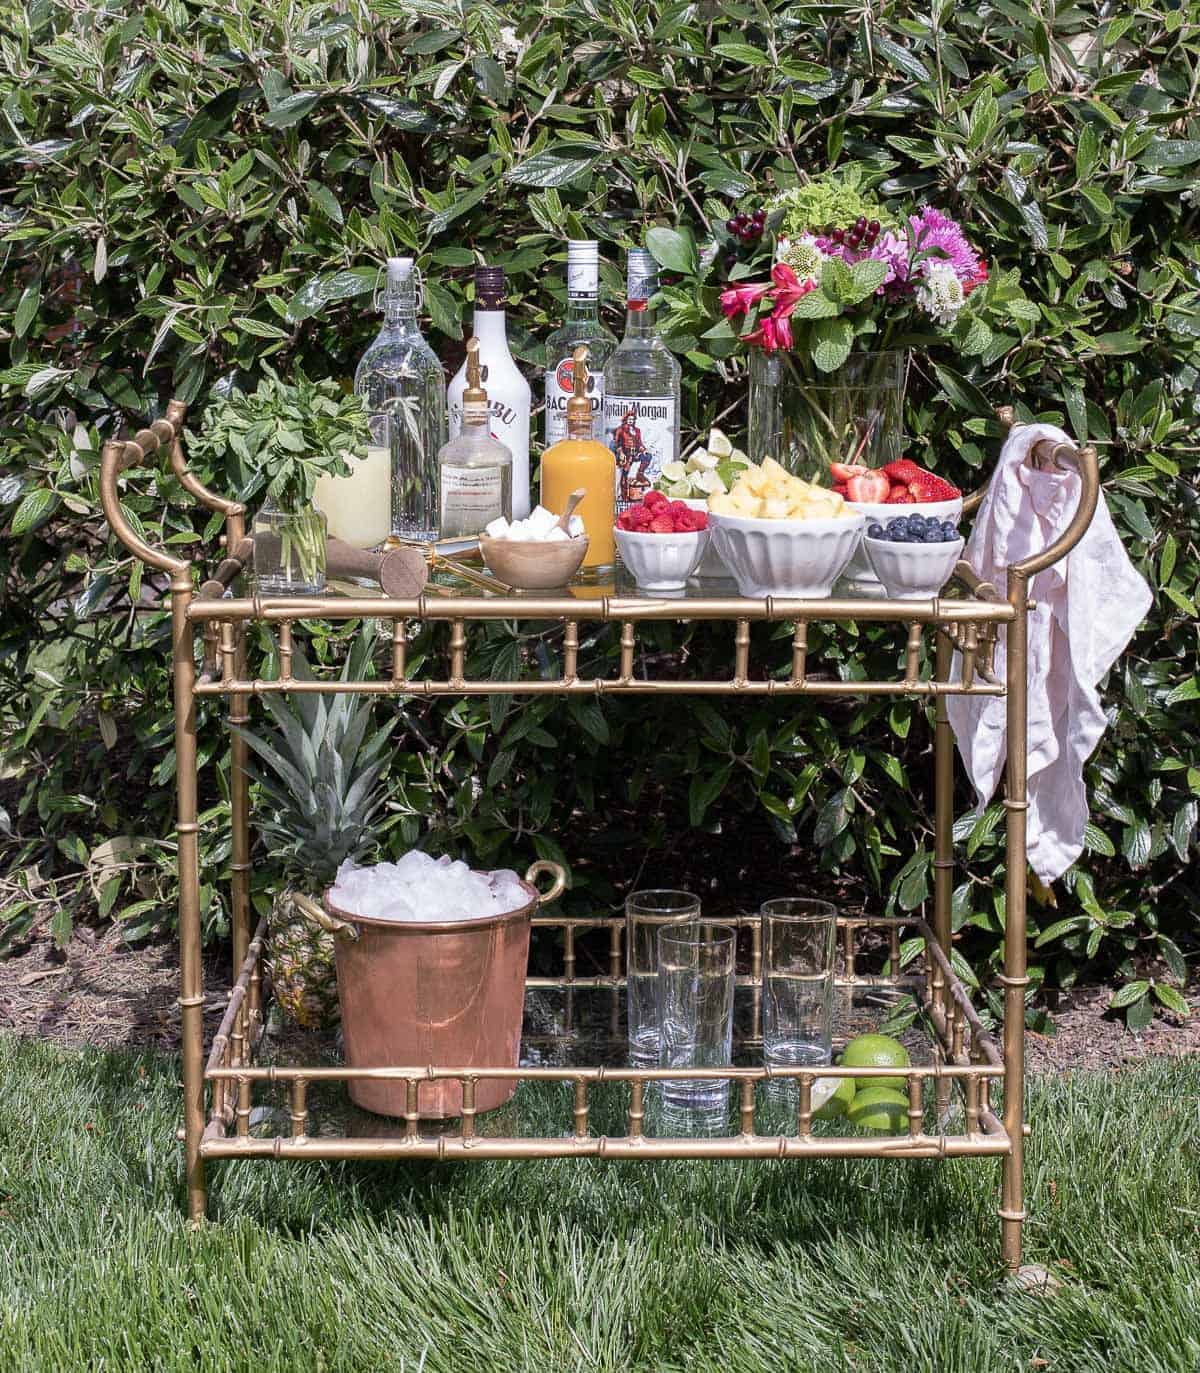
(404, 387)
(279, 440)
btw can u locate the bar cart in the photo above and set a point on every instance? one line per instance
(604, 1106)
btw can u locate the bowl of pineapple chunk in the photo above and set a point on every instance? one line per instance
(782, 536)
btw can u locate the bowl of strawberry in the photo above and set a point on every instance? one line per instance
(902, 487)
(661, 541)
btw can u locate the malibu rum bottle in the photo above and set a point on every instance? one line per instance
(508, 391)
(641, 391)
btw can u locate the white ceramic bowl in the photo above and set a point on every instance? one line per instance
(711, 565)
(661, 562)
(912, 571)
(801, 558)
(860, 573)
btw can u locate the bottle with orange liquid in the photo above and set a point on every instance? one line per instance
(581, 460)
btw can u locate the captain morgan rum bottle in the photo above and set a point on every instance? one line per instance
(641, 391)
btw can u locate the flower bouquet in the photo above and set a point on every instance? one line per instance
(829, 287)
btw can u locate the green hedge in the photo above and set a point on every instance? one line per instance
(193, 188)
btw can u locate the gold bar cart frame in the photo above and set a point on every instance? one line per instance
(219, 1093)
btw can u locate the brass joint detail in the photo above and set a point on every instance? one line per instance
(1006, 981)
(1005, 1214)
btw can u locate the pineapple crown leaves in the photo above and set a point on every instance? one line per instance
(320, 771)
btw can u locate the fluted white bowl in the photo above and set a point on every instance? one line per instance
(912, 571)
(801, 558)
(860, 572)
(711, 566)
(661, 562)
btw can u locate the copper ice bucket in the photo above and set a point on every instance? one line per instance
(449, 993)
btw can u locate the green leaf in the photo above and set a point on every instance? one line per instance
(1170, 152)
(1140, 1014)
(965, 394)
(27, 308)
(318, 292)
(671, 249)
(836, 281)
(900, 58)
(742, 53)
(291, 110)
(832, 340)
(325, 201)
(1128, 994)
(1172, 1000)
(558, 165)
(35, 509)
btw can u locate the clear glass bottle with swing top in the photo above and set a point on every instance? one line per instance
(405, 390)
(475, 471)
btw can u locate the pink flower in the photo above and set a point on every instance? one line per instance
(783, 327)
(737, 300)
(942, 240)
(788, 291)
(766, 336)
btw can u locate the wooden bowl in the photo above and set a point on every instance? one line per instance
(533, 565)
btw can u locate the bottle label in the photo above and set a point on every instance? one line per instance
(583, 280)
(641, 431)
(560, 387)
(471, 498)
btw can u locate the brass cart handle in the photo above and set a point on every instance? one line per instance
(314, 911)
(163, 434)
(544, 865)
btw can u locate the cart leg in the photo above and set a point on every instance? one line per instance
(1015, 978)
(191, 976)
(943, 839)
(239, 808)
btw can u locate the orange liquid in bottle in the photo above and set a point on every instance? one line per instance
(570, 464)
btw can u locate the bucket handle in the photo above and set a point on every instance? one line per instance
(312, 910)
(544, 865)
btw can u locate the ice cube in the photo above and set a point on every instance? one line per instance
(557, 535)
(541, 521)
(497, 528)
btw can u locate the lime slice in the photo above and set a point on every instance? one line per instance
(831, 1097)
(679, 490)
(674, 472)
(710, 483)
(738, 457)
(718, 444)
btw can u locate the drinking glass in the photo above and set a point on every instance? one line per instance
(646, 912)
(797, 1010)
(695, 997)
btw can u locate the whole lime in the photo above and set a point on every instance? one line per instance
(837, 1103)
(876, 1051)
(879, 1108)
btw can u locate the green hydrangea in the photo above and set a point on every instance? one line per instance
(830, 201)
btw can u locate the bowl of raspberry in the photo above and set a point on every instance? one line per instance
(900, 488)
(661, 541)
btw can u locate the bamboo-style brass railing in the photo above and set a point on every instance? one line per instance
(220, 1095)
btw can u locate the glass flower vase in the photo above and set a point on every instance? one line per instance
(806, 419)
(289, 551)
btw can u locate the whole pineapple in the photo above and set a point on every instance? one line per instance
(320, 793)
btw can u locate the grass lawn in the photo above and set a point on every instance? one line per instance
(556, 1266)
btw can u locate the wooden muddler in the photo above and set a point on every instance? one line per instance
(400, 572)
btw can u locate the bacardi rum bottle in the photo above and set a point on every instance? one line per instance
(405, 390)
(581, 326)
(641, 391)
(508, 391)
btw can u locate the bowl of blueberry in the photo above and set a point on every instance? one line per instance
(913, 555)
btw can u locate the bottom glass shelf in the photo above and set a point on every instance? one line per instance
(576, 1095)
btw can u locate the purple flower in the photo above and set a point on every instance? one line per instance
(942, 240)
(888, 248)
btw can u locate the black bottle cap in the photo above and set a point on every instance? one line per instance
(490, 288)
